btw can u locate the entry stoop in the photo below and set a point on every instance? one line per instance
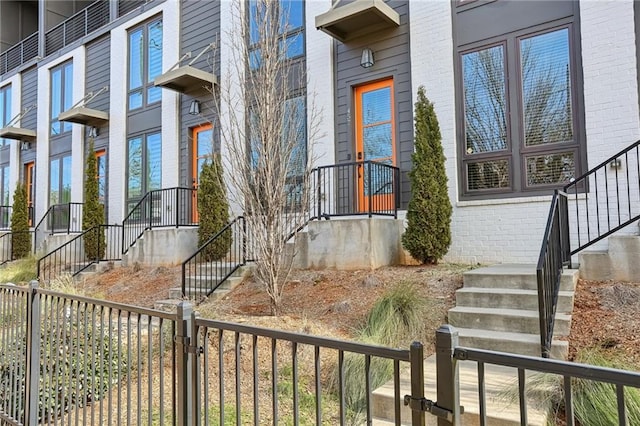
(619, 262)
(497, 309)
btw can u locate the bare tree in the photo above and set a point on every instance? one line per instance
(268, 129)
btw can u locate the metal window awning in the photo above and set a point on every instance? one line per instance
(186, 79)
(356, 19)
(18, 133)
(84, 115)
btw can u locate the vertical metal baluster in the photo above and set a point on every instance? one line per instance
(317, 374)
(367, 386)
(341, 387)
(606, 190)
(294, 367)
(274, 380)
(568, 401)
(618, 194)
(396, 392)
(522, 393)
(626, 162)
(622, 412)
(256, 389)
(221, 373)
(238, 381)
(481, 394)
(595, 178)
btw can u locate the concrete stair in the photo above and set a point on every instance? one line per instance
(619, 262)
(497, 309)
(198, 284)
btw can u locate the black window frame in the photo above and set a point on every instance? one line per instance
(146, 84)
(131, 201)
(63, 67)
(517, 152)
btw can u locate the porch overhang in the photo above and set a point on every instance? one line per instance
(86, 116)
(356, 19)
(186, 79)
(18, 133)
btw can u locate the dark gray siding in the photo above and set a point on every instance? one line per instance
(97, 77)
(392, 59)
(200, 26)
(30, 120)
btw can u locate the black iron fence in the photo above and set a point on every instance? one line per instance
(6, 245)
(97, 244)
(215, 261)
(170, 207)
(5, 217)
(358, 188)
(590, 208)
(554, 255)
(58, 219)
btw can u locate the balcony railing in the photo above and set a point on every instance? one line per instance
(160, 208)
(19, 54)
(77, 26)
(360, 188)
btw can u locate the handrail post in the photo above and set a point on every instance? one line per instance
(319, 192)
(244, 240)
(416, 359)
(183, 340)
(370, 198)
(448, 388)
(396, 191)
(32, 363)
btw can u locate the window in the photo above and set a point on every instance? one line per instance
(5, 190)
(60, 180)
(144, 165)
(290, 17)
(5, 110)
(61, 96)
(101, 175)
(145, 64)
(519, 127)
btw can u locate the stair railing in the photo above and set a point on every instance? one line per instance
(604, 200)
(170, 207)
(58, 219)
(215, 261)
(6, 246)
(71, 257)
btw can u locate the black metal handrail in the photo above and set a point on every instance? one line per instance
(72, 257)
(215, 261)
(58, 219)
(6, 246)
(5, 217)
(357, 188)
(170, 207)
(554, 254)
(602, 204)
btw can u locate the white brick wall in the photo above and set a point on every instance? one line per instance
(511, 230)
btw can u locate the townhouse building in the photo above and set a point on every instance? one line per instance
(529, 95)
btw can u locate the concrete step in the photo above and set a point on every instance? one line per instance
(618, 263)
(516, 276)
(202, 290)
(510, 320)
(498, 380)
(167, 305)
(517, 343)
(509, 298)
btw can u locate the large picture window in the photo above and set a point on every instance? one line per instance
(61, 96)
(519, 133)
(145, 64)
(290, 15)
(60, 180)
(5, 110)
(144, 166)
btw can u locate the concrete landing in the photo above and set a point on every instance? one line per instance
(500, 381)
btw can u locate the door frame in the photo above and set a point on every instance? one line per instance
(387, 201)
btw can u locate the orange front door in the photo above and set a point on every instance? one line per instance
(375, 142)
(202, 150)
(29, 177)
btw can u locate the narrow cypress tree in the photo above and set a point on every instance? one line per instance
(92, 211)
(428, 233)
(213, 210)
(20, 236)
